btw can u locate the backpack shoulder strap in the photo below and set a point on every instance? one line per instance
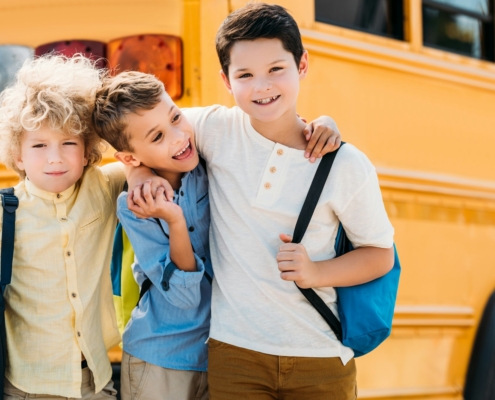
(9, 204)
(302, 223)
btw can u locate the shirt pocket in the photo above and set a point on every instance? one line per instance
(91, 221)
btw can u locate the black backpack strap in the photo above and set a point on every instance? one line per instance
(302, 223)
(9, 204)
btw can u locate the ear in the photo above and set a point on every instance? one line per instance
(127, 158)
(226, 81)
(18, 162)
(303, 65)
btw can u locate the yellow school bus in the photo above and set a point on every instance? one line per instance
(412, 84)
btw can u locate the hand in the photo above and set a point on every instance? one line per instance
(142, 203)
(294, 264)
(136, 176)
(323, 137)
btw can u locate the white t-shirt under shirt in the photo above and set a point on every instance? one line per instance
(257, 188)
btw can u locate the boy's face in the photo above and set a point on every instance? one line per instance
(162, 139)
(264, 78)
(53, 161)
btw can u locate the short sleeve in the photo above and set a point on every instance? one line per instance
(358, 201)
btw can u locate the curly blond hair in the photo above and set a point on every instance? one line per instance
(55, 91)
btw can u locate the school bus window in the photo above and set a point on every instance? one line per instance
(460, 26)
(11, 59)
(380, 17)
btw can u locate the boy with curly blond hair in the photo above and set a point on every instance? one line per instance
(60, 318)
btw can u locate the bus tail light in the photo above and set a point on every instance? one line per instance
(160, 55)
(90, 48)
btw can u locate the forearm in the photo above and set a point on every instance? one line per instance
(354, 268)
(181, 251)
(137, 175)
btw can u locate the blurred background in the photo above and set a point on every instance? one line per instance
(409, 82)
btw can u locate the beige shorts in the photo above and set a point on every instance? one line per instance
(10, 392)
(140, 380)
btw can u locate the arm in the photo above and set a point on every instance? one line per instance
(354, 268)
(142, 202)
(154, 259)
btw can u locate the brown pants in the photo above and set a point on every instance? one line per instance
(10, 392)
(140, 380)
(241, 374)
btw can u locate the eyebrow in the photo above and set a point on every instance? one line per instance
(150, 131)
(274, 62)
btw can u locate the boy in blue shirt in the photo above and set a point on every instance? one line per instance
(165, 355)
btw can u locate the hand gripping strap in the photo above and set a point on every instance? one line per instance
(10, 204)
(302, 223)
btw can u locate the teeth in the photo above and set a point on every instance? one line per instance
(183, 150)
(267, 100)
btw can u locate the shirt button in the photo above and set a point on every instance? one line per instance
(268, 185)
(59, 195)
(280, 152)
(191, 229)
(181, 193)
(68, 253)
(78, 333)
(63, 219)
(74, 295)
(273, 170)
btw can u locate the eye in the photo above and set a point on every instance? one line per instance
(158, 137)
(70, 143)
(176, 118)
(38, 146)
(275, 69)
(245, 76)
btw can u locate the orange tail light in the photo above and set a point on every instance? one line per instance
(160, 55)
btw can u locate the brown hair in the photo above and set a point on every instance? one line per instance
(125, 93)
(256, 21)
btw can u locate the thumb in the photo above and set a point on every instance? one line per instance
(285, 238)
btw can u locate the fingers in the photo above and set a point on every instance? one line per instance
(285, 238)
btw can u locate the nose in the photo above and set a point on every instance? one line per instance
(263, 84)
(178, 135)
(54, 154)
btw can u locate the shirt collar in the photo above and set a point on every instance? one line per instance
(55, 197)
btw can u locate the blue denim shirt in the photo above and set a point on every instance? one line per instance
(170, 325)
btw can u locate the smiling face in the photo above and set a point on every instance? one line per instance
(264, 79)
(162, 139)
(53, 161)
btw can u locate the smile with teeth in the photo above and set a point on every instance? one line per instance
(267, 100)
(183, 150)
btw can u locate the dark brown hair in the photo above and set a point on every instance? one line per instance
(256, 21)
(119, 96)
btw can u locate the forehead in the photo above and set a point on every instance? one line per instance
(47, 133)
(139, 123)
(258, 51)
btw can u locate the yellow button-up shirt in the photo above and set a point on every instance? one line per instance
(59, 303)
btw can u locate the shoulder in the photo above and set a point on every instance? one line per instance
(212, 114)
(351, 163)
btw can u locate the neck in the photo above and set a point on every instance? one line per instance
(174, 178)
(286, 130)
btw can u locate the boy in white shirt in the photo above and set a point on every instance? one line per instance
(266, 340)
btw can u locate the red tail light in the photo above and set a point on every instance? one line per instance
(160, 55)
(90, 48)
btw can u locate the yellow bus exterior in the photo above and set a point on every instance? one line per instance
(423, 116)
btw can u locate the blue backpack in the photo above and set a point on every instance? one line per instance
(366, 311)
